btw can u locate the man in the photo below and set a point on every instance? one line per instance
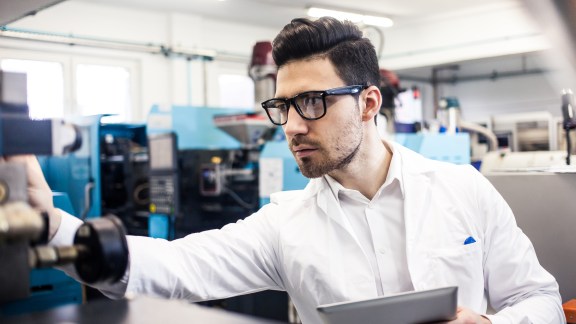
(375, 218)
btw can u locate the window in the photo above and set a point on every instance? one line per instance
(236, 91)
(103, 89)
(45, 83)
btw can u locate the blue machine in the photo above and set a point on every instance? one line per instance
(454, 148)
(72, 177)
(68, 176)
(208, 158)
(124, 175)
(194, 126)
(77, 180)
(102, 176)
(218, 180)
(78, 174)
(278, 170)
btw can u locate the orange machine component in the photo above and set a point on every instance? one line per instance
(570, 311)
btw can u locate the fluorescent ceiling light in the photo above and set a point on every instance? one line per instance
(353, 17)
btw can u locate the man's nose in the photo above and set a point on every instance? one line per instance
(295, 124)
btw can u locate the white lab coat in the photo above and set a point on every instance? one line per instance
(300, 243)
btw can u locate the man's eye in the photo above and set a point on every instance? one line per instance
(313, 101)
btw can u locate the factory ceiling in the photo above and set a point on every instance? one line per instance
(276, 13)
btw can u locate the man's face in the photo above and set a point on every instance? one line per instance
(327, 144)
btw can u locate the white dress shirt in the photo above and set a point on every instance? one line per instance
(379, 227)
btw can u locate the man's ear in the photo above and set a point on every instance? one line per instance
(373, 100)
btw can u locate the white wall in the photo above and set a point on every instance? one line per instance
(161, 80)
(497, 30)
(481, 99)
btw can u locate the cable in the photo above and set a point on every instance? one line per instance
(87, 198)
(568, 146)
(237, 198)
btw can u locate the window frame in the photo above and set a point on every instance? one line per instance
(70, 62)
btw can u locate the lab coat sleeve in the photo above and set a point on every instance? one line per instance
(235, 260)
(519, 288)
(65, 236)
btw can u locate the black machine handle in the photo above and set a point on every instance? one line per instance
(569, 120)
(103, 250)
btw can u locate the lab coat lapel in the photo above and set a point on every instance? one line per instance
(329, 205)
(357, 271)
(417, 186)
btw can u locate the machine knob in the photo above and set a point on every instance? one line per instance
(102, 250)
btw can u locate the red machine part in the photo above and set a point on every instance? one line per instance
(570, 311)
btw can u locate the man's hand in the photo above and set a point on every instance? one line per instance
(39, 193)
(466, 316)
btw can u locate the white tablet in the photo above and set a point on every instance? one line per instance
(435, 305)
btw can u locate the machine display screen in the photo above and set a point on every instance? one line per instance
(162, 148)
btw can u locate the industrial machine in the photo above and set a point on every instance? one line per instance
(207, 179)
(123, 168)
(546, 158)
(263, 71)
(531, 131)
(448, 138)
(215, 175)
(205, 172)
(215, 167)
(99, 252)
(216, 156)
(164, 184)
(549, 179)
(547, 217)
(390, 88)
(569, 120)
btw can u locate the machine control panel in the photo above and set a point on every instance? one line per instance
(163, 176)
(162, 194)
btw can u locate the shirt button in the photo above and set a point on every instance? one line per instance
(382, 250)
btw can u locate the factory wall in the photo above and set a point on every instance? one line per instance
(484, 98)
(499, 29)
(175, 80)
(159, 80)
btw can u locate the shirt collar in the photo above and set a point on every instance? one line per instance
(394, 173)
(395, 169)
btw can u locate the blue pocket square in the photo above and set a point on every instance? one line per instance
(469, 240)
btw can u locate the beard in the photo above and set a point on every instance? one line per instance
(321, 163)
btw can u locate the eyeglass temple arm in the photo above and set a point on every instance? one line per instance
(345, 91)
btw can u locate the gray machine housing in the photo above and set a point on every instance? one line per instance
(544, 204)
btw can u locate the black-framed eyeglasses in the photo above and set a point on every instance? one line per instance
(310, 105)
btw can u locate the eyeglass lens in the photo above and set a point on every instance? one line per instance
(309, 105)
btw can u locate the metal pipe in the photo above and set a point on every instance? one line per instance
(490, 76)
(492, 139)
(73, 40)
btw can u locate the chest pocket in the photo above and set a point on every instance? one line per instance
(460, 266)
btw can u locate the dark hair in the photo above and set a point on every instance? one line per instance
(353, 56)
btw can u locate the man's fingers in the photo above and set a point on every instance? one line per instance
(33, 170)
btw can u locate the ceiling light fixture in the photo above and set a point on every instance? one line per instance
(353, 17)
